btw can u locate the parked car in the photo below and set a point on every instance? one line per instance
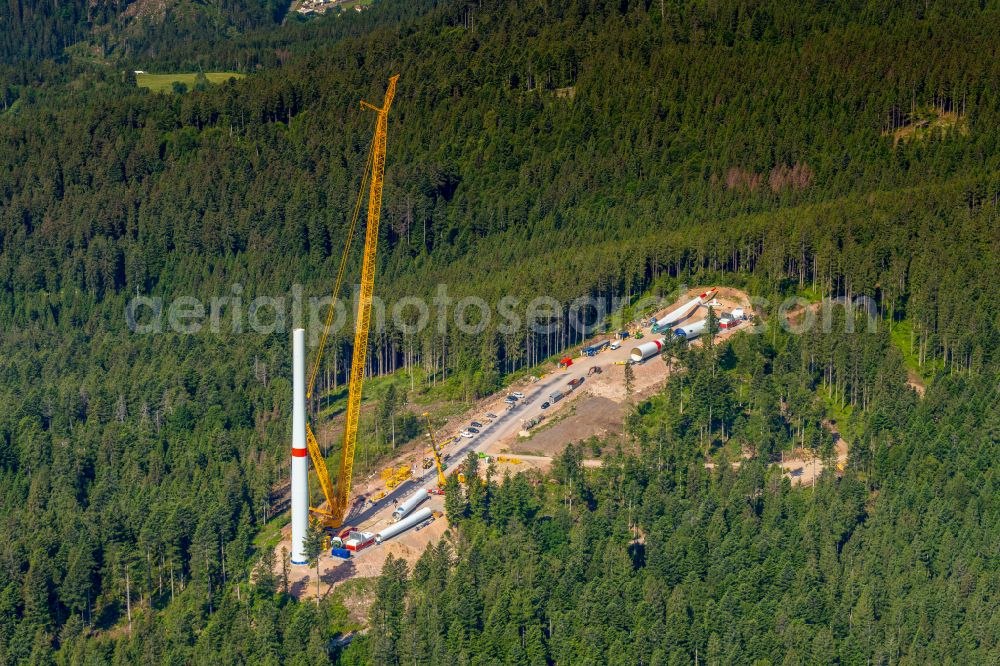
(545, 405)
(517, 394)
(474, 431)
(477, 424)
(510, 400)
(466, 434)
(490, 415)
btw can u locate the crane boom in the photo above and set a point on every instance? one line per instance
(321, 473)
(337, 498)
(360, 355)
(436, 451)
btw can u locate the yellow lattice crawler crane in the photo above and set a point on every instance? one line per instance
(337, 498)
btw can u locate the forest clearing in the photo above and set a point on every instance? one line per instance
(165, 82)
(595, 410)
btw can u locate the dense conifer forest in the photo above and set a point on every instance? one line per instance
(36, 30)
(566, 149)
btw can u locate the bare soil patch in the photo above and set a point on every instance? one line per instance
(368, 563)
(803, 467)
(592, 415)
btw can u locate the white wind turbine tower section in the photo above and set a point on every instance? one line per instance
(300, 464)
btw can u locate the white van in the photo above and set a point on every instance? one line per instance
(616, 345)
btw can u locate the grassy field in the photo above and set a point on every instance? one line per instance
(164, 82)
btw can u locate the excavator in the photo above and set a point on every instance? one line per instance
(338, 497)
(437, 456)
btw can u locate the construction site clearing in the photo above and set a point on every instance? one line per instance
(517, 441)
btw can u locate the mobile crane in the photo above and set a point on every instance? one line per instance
(338, 497)
(437, 456)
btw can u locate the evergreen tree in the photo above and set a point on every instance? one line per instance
(386, 614)
(315, 538)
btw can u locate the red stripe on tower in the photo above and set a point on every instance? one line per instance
(299, 453)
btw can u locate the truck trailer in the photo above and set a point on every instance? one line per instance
(595, 348)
